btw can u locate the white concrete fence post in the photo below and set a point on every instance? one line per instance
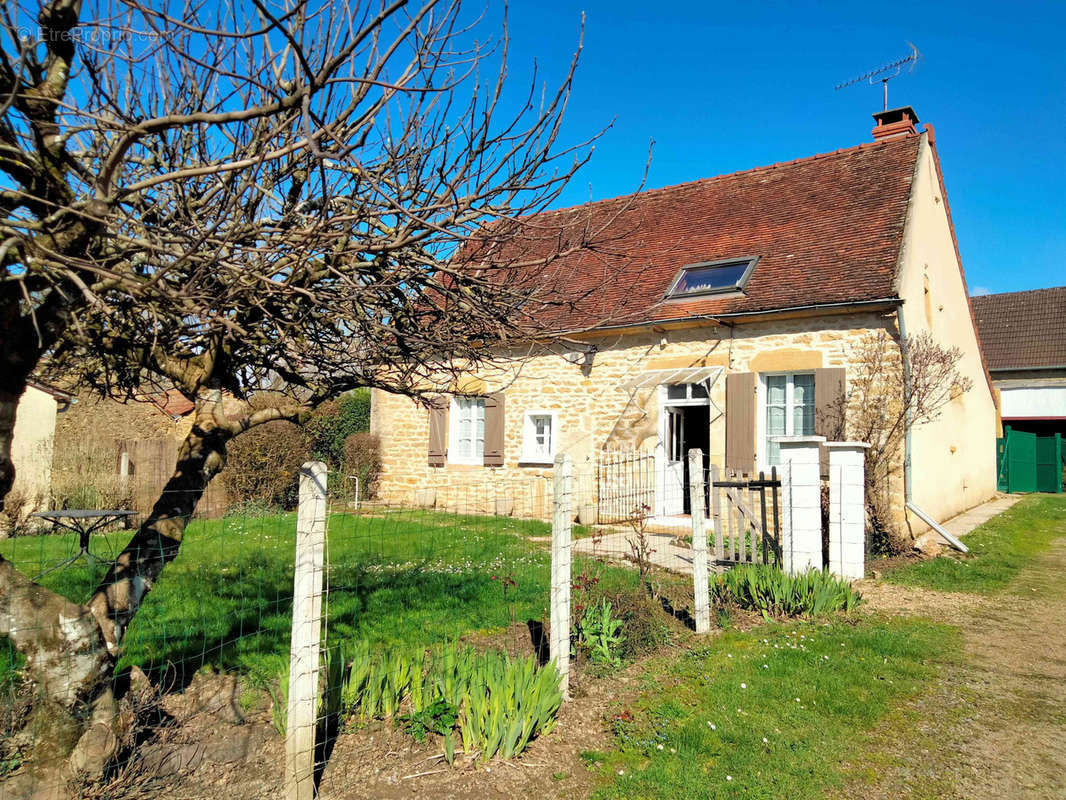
(696, 484)
(847, 509)
(801, 503)
(306, 633)
(562, 523)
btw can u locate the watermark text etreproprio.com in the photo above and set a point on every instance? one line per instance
(87, 34)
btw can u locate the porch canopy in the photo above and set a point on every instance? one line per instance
(659, 377)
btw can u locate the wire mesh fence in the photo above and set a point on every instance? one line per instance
(423, 608)
(436, 616)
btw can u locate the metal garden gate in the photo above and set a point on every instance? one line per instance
(625, 485)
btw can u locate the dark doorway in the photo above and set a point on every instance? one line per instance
(697, 425)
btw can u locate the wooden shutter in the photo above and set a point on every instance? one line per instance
(438, 431)
(828, 409)
(829, 402)
(740, 421)
(494, 430)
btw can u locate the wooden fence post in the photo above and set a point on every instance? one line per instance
(716, 515)
(562, 521)
(306, 633)
(696, 484)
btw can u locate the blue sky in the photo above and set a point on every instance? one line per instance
(725, 88)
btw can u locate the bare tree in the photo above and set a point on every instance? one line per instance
(895, 385)
(235, 197)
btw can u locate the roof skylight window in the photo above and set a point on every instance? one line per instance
(712, 277)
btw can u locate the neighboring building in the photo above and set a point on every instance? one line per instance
(1023, 335)
(32, 445)
(734, 315)
(119, 454)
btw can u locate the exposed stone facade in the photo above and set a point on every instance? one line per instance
(594, 409)
(952, 457)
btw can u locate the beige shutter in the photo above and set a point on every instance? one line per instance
(740, 422)
(438, 431)
(828, 409)
(494, 430)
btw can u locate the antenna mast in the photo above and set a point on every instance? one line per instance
(887, 72)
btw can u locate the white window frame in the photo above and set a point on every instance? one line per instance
(761, 449)
(689, 399)
(454, 414)
(529, 453)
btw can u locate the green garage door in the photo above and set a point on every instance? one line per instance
(1027, 462)
(1021, 461)
(1049, 463)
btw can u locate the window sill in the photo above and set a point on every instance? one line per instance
(536, 462)
(466, 465)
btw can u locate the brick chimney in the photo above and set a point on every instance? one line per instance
(894, 123)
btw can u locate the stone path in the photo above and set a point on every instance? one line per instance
(615, 544)
(964, 523)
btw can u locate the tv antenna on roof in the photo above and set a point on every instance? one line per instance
(887, 72)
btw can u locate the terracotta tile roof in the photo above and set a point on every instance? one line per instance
(1022, 330)
(826, 229)
(171, 402)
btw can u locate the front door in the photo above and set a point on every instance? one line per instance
(673, 502)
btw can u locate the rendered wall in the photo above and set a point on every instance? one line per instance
(953, 457)
(32, 446)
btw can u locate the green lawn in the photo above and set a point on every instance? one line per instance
(779, 711)
(770, 713)
(411, 577)
(998, 549)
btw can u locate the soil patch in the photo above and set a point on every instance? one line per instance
(220, 743)
(889, 598)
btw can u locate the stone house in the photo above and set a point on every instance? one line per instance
(733, 316)
(120, 453)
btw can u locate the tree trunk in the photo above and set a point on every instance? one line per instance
(71, 649)
(68, 660)
(158, 540)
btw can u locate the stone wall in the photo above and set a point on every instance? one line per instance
(594, 409)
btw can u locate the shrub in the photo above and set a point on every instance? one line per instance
(362, 458)
(15, 517)
(644, 626)
(263, 464)
(84, 476)
(336, 420)
(774, 593)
